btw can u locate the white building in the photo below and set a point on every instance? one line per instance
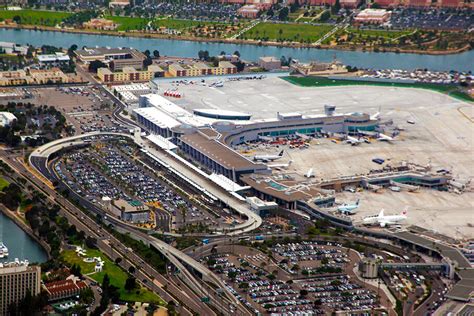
(55, 59)
(6, 118)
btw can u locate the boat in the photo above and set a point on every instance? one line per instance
(3, 250)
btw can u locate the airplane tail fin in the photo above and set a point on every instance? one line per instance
(405, 211)
(381, 213)
(281, 153)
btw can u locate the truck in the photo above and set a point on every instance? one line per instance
(378, 160)
(259, 237)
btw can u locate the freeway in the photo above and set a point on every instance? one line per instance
(146, 274)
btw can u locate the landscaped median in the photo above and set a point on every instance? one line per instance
(451, 89)
(116, 274)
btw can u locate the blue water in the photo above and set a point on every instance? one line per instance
(460, 62)
(20, 244)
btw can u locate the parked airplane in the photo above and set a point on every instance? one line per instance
(310, 173)
(386, 138)
(384, 220)
(353, 141)
(375, 116)
(266, 158)
(265, 138)
(348, 208)
(281, 165)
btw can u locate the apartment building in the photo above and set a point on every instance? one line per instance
(130, 74)
(32, 76)
(16, 279)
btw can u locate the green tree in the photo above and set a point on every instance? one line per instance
(130, 283)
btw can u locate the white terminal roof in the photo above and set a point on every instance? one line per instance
(161, 142)
(174, 111)
(158, 117)
(221, 112)
(131, 87)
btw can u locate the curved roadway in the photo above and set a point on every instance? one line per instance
(39, 160)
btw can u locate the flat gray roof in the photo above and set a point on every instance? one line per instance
(220, 153)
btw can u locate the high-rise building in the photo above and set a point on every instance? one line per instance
(16, 279)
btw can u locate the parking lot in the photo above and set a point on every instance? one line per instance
(108, 170)
(445, 19)
(84, 107)
(279, 285)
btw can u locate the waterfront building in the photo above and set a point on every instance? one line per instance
(64, 289)
(55, 59)
(116, 58)
(16, 279)
(100, 24)
(269, 63)
(12, 48)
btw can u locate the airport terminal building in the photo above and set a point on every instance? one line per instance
(207, 135)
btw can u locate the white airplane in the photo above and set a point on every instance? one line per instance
(266, 158)
(310, 173)
(353, 141)
(348, 208)
(280, 165)
(265, 138)
(375, 116)
(384, 220)
(385, 138)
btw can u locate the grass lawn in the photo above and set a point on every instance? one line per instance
(287, 32)
(451, 90)
(129, 23)
(35, 17)
(116, 274)
(3, 183)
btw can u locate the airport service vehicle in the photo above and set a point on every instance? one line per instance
(385, 220)
(348, 208)
(378, 160)
(267, 158)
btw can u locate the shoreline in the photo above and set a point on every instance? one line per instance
(27, 229)
(467, 47)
